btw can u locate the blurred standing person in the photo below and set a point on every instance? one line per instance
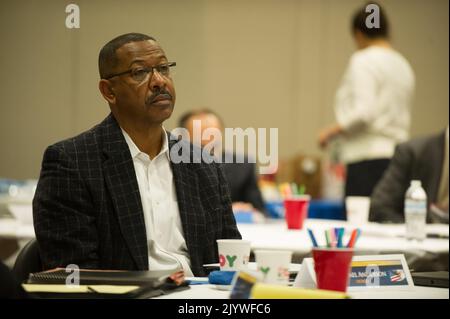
(372, 105)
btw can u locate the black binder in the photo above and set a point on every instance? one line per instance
(93, 277)
(150, 283)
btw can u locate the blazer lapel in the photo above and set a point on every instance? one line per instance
(121, 182)
(186, 185)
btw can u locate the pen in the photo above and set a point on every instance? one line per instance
(302, 189)
(358, 234)
(90, 289)
(294, 189)
(340, 232)
(327, 238)
(313, 239)
(351, 242)
(333, 237)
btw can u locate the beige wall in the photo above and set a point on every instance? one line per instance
(266, 63)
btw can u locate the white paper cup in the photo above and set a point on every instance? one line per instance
(357, 209)
(274, 265)
(234, 254)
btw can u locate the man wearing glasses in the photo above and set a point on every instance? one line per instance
(111, 198)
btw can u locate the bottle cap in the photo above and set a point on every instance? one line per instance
(416, 182)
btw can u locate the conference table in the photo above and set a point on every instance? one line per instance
(429, 254)
(208, 291)
(203, 290)
(375, 239)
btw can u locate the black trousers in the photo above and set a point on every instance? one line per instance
(363, 176)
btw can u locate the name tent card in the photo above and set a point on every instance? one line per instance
(367, 272)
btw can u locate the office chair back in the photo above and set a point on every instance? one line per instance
(28, 261)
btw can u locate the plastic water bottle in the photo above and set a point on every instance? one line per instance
(415, 211)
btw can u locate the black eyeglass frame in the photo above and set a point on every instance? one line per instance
(150, 69)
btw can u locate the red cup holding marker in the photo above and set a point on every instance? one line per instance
(296, 210)
(332, 267)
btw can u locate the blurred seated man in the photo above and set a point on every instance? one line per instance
(241, 177)
(424, 159)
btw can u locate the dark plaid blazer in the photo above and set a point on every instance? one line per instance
(87, 208)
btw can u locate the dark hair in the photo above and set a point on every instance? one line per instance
(183, 120)
(107, 59)
(359, 23)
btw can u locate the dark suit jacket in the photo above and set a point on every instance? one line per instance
(243, 184)
(419, 159)
(87, 207)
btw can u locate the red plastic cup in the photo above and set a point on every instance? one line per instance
(296, 211)
(332, 267)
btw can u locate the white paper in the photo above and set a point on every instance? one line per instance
(306, 277)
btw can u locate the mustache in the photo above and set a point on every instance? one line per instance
(150, 99)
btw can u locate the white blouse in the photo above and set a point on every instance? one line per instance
(373, 104)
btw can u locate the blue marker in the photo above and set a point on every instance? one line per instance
(336, 235)
(313, 239)
(358, 233)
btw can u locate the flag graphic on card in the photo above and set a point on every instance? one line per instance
(397, 275)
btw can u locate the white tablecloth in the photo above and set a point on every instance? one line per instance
(430, 254)
(374, 237)
(210, 292)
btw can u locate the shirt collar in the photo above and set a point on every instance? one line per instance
(135, 151)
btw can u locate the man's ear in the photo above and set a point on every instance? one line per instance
(107, 91)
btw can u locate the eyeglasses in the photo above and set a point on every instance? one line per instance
(140, 74)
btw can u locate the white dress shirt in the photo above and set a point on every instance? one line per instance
(373, 104)
(166, 244)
